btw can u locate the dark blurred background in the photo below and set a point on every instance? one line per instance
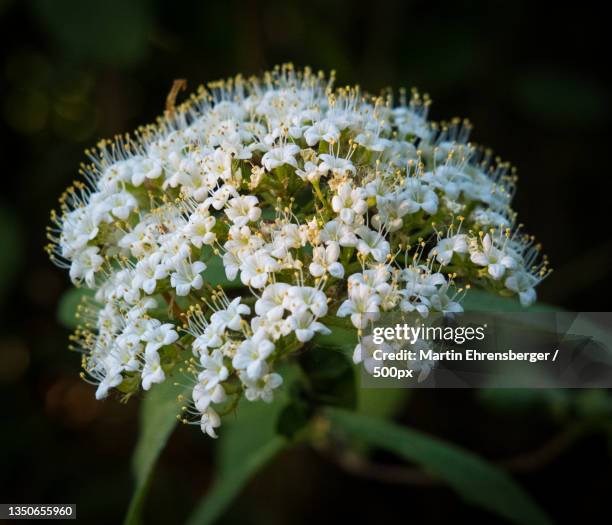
(535, 82)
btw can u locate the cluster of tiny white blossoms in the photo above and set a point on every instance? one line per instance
(316, 203)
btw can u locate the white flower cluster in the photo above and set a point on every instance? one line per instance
(315, 202)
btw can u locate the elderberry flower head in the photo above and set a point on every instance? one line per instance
(314, 203)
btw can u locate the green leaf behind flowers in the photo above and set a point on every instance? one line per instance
(247, 442)
(475, 480)
(68, 306)
(214, 274)
(157, 421)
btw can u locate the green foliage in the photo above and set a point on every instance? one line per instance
(478, 482)
(229, 484)
(68, 306)
(157, 421)
(215, 272)
(326, 379)
(247, 443)
(481, 301)
(371, 401)
(381, 402)
(517, 400)
(294, 418)
(330, 377)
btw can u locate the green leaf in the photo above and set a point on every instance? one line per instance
(381, 402)
(294, 418)
(247, 443)
(251, 427)
(482, 301)
(331, 377)
(343, 336)
(215, 271)
(68, 305)
(517, 400)
(478, 482)
(558, 401)
(157, 421)
(228, 486)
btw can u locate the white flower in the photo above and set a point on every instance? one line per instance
(252, 354)
(211, 337)
(121, 204)
(441, 302)
(218, 164)
(325, 260)
(337, 165)
(372, 141)
(220, 197)
(272, 300)
(306, 298)
(375, 277)
(279, 156)
(274, 325)
(372, 242)
(336, 232)
(127, 346)
(187, 277)
(242, 241)
(209, 421)
(231, 264)
(349, 202)
(421, 281)
(417, 304)
(447, 178)
(364, 353)
(496, 261)
(305, 326)
(311, 172)
(146, 169)
(391, 210)
(448, 246)
(147, 273)
(204, 394)
(86, 265)
(322, 130)
(419, 197)
(289, 236)
(158, 335)
(110, 381)
(174, 250)
(488, 217)
(141, 240)
(242, 210)
(199, 229)
(231, 316)
(255, 269)
(214, 371)
(262, 388)
(152, 371)
(522, 283)
(362, 300)
(411, 123)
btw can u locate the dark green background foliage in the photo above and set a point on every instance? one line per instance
(535, 83)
